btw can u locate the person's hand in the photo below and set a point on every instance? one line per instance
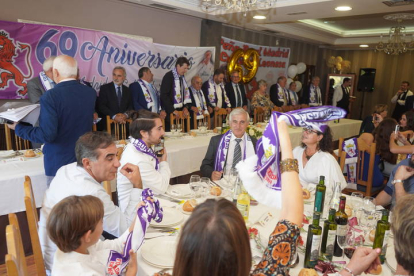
(364, 259)
(185, 112)
(393, 136)
(216, 175)
(163, 114)
(131, 172)
(133, 264)
(216, 108)
(228, 109)
(210, 110)
(163, 157)
(401, 137)
(404, 172)
(95, 116)
(399, 92)
(120, 118)
(245, 107)
(194, 109)
(13, 126)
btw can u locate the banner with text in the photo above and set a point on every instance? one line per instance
(274, 61)
(24, 47)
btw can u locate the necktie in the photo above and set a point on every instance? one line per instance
(316, 95)
(119, 94)
(200, 97)
(237, 153)
(182, 88)
(238, 100)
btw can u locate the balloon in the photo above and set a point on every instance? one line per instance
(289, 80)
(298, 86)
(233, 64)
(301, 67)
(292, 71)
(250, 63)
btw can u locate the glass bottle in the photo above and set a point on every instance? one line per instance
(243, 204)
(382, 234)
(320, 195)
(313, 242)
(328, 236)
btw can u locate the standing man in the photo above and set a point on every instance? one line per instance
(313, 95)
(236, 92)
(144, 93)
(199, 104)
(66, 114)
(341, 95)
(228, 149)
(114, 98)
(399, 99)
(215, 93)
(279, 95)
(37, 86)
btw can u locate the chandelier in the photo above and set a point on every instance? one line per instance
(397, 43)
(236, 5)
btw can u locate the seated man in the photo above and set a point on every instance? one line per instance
(226, 150)
(96, 162)
(146, 131)
(400, 183)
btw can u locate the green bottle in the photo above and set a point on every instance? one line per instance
(382, 234)
(313, 242)
(320, 195)
(328, 236)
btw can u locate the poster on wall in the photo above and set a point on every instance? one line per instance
(24, 47)
(274, 61)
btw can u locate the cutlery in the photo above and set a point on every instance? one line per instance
(169, 198)
(217, 184)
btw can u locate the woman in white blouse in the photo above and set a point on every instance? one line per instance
(315, 159)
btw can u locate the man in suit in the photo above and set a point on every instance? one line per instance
(226, 150)
(37, 86)
(341, 95)
(313, 96)
(175, 95)
(236, 92)
(144, 93)
(401, 99)
(199, 104)
(215, 93)
(66, 114)
(114, 98)
(279, 95)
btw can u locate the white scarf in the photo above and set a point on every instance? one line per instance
(45, 81)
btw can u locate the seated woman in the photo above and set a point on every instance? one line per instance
(315, 159)
(372, 121)
(407, 125)
(260, 98)
(214, 240)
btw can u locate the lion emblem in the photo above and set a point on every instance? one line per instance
(9, 71)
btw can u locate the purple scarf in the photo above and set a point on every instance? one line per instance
(142, 147)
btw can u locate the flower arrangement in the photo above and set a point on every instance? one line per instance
(339, 64)
(254, 132)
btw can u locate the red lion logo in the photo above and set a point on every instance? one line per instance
(9, 71)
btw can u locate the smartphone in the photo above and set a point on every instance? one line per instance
(159, 148)
(397, 128)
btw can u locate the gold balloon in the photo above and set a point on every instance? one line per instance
(250, 63)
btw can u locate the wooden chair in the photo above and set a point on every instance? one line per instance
(287, 108)
(277, 108)
(206, 118)
(340, 159)
(20, 144)
(32, 221)
(219, 116)
(15, 258)
(120, 130)
(185, 122)
(304, 106)
(258, 115)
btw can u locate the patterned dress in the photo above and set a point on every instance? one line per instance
(280, 250)
(259, 100)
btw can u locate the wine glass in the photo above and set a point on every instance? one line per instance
(179, 128)
(341, 240)
(173, 129)
(200, 125)
(353, 240)
(205, 125)
(205, 183)
(230, 175)
(356, 204)
(195, 185)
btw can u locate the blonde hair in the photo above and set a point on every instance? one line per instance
(379, 108)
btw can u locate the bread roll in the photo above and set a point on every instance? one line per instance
(215, 191)
(377, 271)
(308, 272)
(372, 235)
(306, 193)
(348, 210)
(29, 153)
(189, 205)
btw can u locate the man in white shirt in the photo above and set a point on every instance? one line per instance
(146, 131)
(226, 150)
(96, 162)
(399, 99)
(341, 97)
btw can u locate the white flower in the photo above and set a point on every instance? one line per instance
(251, 132)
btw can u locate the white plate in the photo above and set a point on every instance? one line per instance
(391, 260)
(7, 153)
(180, 191)
(171, 217)
(180, 207)
(170, 135)
(160, 252)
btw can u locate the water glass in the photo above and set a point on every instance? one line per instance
(200, 125)
(173, 129)
(205, 125)
(356, 204)
(230, 177)
(195, 185)
(179, 128)
(368, 217)
(205, 183)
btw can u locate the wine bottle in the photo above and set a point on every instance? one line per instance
(328, 236)
(243, 204)
(223, 126)
(320, 195)
(341, 220)
(313, 242)
(381, 234)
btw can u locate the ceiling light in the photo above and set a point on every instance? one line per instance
(343, 8)
(257, 16)
(364, 46)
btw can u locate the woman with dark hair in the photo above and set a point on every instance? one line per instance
(407, 122)
(315, 158)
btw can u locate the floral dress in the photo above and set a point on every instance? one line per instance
(280, 250)
(259, 100)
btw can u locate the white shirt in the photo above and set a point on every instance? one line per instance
(321, 163)
(92, 264)
(157, 181)
(219, 93)
(230, 152)
(337, 96)
(396, 97)
(74, 180)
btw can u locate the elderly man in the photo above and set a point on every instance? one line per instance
(215, 93)
(114, 98)
(96, 162)
(37, 86)
(236, 92)
(292, 93)
(199, 104)
(341, 97)
(228, 149)
(66, 114)
(403, 100)
(279, 95)
(144, 93)
(313, 96)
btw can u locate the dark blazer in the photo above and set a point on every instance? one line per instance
(207, 166)
(35, 90)
(274, 90)
(193, 103)
(167, 95)
(409, 103)
(66, 114)
(107, 102)
(138, 98)
(231, 94)
(204, 88)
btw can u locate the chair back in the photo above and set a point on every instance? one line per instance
(19, 143)
(15, 257)
(258, 115)
(304, 106)
(184, 122)
(206, 118)
(32, 221)
(119, 130)
(219, 116)
(361, 168)
(287, 108)
(277, 108)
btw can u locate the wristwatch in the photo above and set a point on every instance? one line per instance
(395, 181)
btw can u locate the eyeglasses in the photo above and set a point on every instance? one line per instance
(309, 130)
